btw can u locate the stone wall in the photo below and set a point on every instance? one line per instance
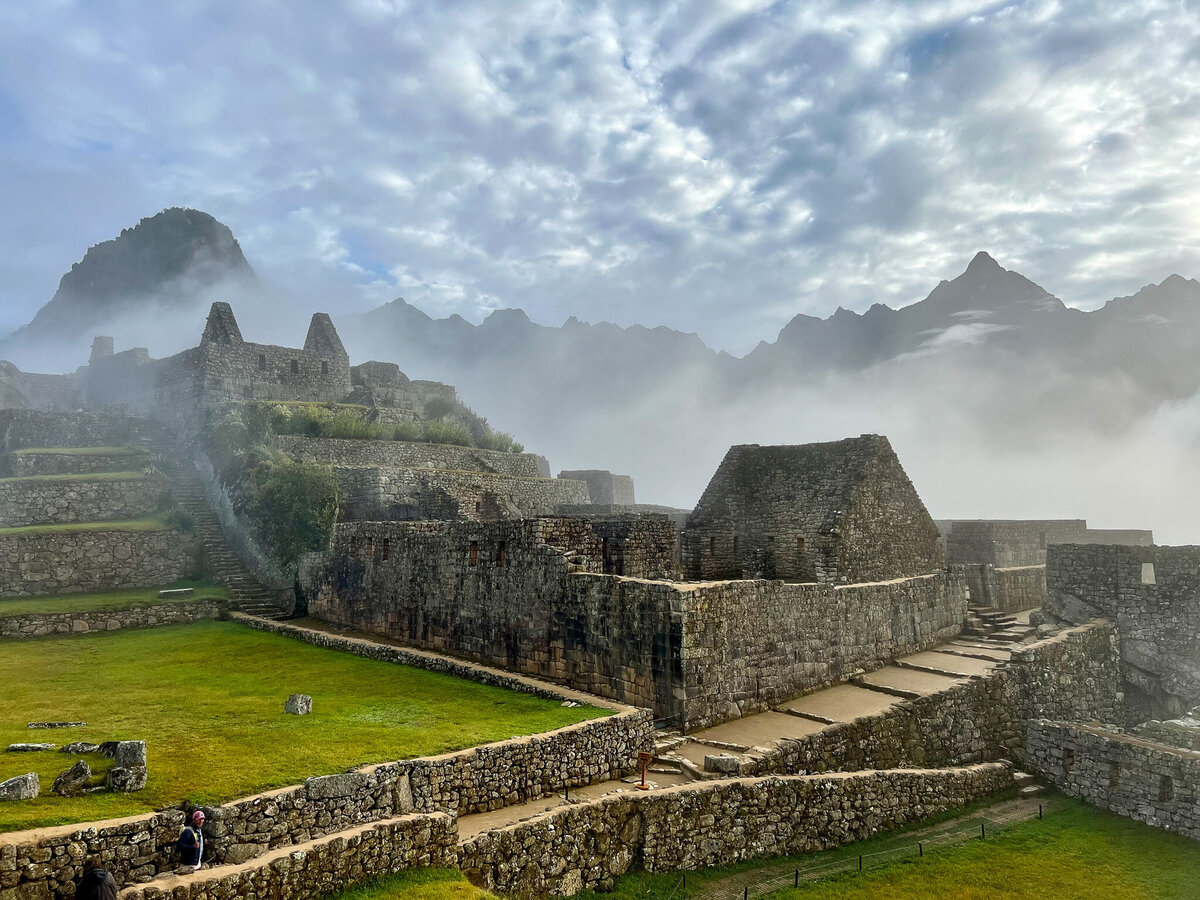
(28, 625)
(410, 455)
(318, 868)
(1153, 594)
(59, 500)
(381, 493)
(1008, 590)
(1075, 674)
(748, 645)
(589, 845)
(22, 428)
(1136, 778)
(842, 512)
(604, 487)
(52, 463)
(1007, 543)
(74, 562)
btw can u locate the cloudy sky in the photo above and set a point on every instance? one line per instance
(713, 166)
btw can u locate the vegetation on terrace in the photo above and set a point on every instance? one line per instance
(124, 450)
(112, 600)
(1078, 852)
(85, 476)
(208, 700)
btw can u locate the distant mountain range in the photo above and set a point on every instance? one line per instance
(988, 365)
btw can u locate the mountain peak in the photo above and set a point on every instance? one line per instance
(983, 262)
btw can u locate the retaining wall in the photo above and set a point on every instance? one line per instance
(1074, 675)
(21, 428)
(88, 561)
(405, 454)
(50, 463)
(1136, 778)
(318, 868)
(28, 625)
(58, 501)
(1006, 589)
(588, 845)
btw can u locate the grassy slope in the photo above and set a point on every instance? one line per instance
(1079, 853)
(208, 700)
(87, 476)
(150, 524)
(110, 600)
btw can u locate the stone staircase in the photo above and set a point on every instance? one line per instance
(220, 563)
(988, 624)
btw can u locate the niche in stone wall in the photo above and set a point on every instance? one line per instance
(500, 550)
(1114, 774)
(387, 548)
(473, 554)
(262, 362)
(1166, 789)
(324, 368)
(295, 367)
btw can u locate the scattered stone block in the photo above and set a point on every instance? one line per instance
(56, 725)
(71, 782)
(126, 779)
(723, 763)
(130, 754)
(81, 747)
(23, 787)
(298, 705)
(30, 748)
(177, 592)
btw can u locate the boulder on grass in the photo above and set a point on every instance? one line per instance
(81, 747)
(71, 782)
(130, 754)
(126, 779)
(298, 705)
(30, 748)
(23, 787)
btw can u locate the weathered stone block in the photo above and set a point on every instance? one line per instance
(298, 705)
(71, 781)
(23, 787)
(126, 779)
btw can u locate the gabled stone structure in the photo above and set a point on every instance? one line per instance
(841, 512)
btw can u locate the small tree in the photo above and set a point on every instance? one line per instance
(295, 506)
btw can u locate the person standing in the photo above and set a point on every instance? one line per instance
(191, 841)
(96, 884)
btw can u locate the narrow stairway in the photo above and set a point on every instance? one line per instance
(220, 563)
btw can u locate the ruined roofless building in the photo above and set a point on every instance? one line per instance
(842, 512)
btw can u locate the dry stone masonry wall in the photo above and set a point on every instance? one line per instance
(404, 454)
(58, 500)
(24, 428)
(1008, 590)
(1151, 782)
(1153, 594)
(40, 563)
(589, 845)
(65, 463)
(28, 625)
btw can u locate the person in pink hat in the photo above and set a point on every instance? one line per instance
(191, 841)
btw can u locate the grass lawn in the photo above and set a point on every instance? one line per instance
(149, 524)
(208, 700)
(83, 451)
(86, 476)
(1078, 853)
(111, 600)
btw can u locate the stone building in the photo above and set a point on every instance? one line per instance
(604, 488)
(839, 512)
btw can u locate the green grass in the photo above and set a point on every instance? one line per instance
(1078, 853)
(149, 524)
(208, 700)
(85, 476)
(110, 600)
(83, 451)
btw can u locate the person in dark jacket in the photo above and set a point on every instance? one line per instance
(191, 841)
(96, 883)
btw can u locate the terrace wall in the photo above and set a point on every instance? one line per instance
(1006, 589)
(40, 563)
(383, 493)
(588, 845)
(1136, 778)
(21, 428)
(30, 625)
(50, 463)
(411, 455)
(58, 501)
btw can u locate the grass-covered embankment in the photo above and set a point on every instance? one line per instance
(112, 600)
(208, 700)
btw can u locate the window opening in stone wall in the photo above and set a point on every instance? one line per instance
(800, 546)
(500, 555)
(370, 551)
(1068, 760)
(1114, 774)
(477, 506)
(1166, 788)
(387, 548)
(324, 368)
(473, 558)
(262, 362)
(295, 367)
(712, 546)
(735, 543)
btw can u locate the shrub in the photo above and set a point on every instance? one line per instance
(179, 519)
(438, 432)
(406, 431)
(295, 505)
(438, 407)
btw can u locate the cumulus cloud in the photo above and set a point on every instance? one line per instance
(714, 166)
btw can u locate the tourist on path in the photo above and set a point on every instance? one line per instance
(191, 841)
(96, 883)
